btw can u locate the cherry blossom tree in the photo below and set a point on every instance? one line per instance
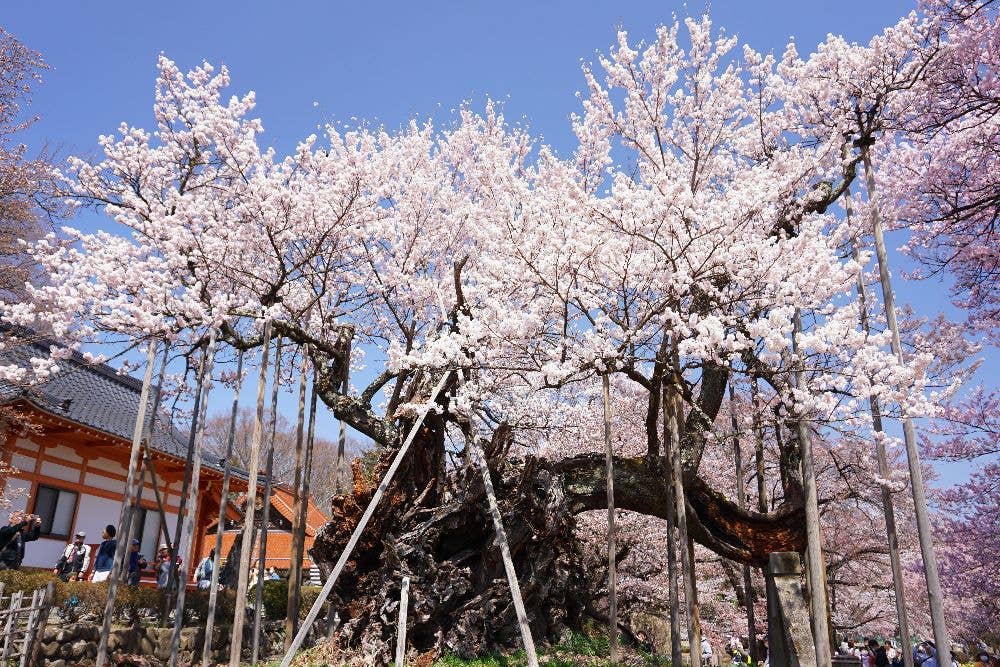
(675, 249)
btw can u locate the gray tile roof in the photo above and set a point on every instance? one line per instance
(97, 396)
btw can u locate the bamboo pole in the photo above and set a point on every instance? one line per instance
(342, 436)
(133, 463)
(680, 504)
(213, 594)
(239, 614)
(741, 499)
(815, 576)
(924, 533)
(358, 529)
(888, 510)
(187, 518)
(298, 533)
(262, 559)
(404, 601)
(610, 474)
(673, 593)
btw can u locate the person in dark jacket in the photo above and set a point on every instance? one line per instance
(105, 557)
(22, 528)
(136, 564)
(881, 658)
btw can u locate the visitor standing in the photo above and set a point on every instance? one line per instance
(105, 557)
(21, 529)
(203, 573)
(136, 564)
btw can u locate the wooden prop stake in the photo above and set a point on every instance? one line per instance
(741, 499)
(404, 602)
(673, 593)
(883, 466)
(924, 533)
(356, 535)
(213, 595)
(191, 509)
(150, 467)
(258, 607)
(610, 474)
(176, 554)
(479, 460)
(295, 564)
(239, 614)
(133, 464)
(814, 542)
(126, 531)
(680, 505)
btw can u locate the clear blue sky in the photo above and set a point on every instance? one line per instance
(382, 61)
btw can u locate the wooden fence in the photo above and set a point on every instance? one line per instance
(23, 618)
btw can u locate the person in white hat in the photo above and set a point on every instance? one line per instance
(75, 559)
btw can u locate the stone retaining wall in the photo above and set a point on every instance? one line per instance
(76, 644)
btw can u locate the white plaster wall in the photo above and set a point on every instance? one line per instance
(107, 465)
(101, 482)
(94, 514)
(22, 462)
(43, 552)
(25, 443)
(64, 452)
(60, 472)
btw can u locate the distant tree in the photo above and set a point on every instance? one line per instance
(26, 183)
(323, 479)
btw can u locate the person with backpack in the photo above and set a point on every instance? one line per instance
(203, 573)
(21, 529)
(75, 559)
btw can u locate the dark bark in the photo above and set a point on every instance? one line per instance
(459, 595)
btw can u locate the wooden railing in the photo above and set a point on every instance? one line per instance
(23, 618)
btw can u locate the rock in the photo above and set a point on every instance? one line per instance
(50, 633)
(56, 663)
(191, 638)
(78, 649)
(50, 649)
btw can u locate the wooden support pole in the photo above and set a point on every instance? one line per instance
(151, 468)
(610, 474)
(174, 576)
(673, 593)
(213, 595)
(680, 504)
(187, 518)
(130, 479)
(741, 499)
(924, 533)
(258, 607)
(404, 602)
(298, 527)
(360, 527)
(125, 531)
(888, 510)
(815, 576)
(239, 614)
